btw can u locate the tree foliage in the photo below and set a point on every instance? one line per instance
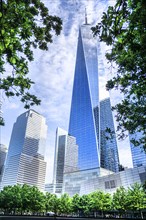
(52, 203)
(100, 201)
(119, 201)
(65, 204)
(25, 199)
(136, 198)
(76, 204)
(24, 26)
(123, 28)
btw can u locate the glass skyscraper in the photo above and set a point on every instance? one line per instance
(108, 145)
(87, 124)
(3, 154)
(138, 154)
(25, 161)
(66, 158)
(85, 98)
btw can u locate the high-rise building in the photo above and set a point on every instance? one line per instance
(1, 114)
(25, 160)
(3, 153)
(138, 154)
(85, 97)
(87, 123)
(109, 157)
(66, 157)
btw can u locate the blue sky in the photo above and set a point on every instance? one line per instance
(53, 73)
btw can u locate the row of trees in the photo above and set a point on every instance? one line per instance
(26, 199)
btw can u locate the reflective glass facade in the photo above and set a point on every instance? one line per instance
(3, 153)
(109, 150)
(25, 161)
(61, 139)
(138, 154)
(85, 97)
(66, 158)
(85, 182)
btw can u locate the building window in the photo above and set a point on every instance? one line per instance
(110, 184)
(107, 185)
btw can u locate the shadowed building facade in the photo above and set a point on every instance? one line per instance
(108, 144)
(25, 161)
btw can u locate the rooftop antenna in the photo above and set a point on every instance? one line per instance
(86, 22)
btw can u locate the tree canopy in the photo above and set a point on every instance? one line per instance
(24, 26)
(123, 28)
(25, 199)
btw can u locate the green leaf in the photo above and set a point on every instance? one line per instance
(2, 31)
(19, 33)
(13, 60)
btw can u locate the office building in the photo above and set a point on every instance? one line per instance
(73, 181)
(88, 119)
(138, 153)
(66, 158)
(25, 160)
(3, 154)
(97, 156)
(109, 157)
(107, 182)
(85, 97)
(49, 187)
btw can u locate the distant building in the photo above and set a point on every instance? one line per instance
(25, 161)
(1, 113)
(3, 154)
(73, 181)
(138, 153)
(49, 187)
(66, 155)
(109, 157)
(87, 181)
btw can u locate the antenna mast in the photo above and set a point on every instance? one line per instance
(86, 22)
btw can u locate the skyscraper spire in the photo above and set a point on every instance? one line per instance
(85, 97)
(86, 22)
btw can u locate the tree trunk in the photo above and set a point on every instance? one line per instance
(141, 213)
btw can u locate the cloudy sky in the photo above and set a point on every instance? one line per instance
(53, 73)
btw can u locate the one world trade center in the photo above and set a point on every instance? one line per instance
(84, 123)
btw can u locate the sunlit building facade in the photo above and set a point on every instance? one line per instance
(88, 118)
(85, 98)
(107, 182)
(66, 158)
(25, 161)
(3, 154)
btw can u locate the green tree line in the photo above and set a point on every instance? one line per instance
(25, 199)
